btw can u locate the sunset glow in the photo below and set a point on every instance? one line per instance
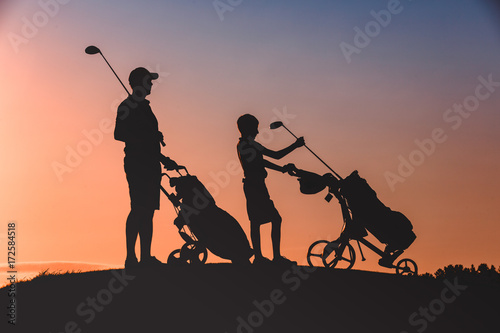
(414, 109)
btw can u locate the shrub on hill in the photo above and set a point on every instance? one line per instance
(482, 274)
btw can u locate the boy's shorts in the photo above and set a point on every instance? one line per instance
(260, 207)
(144, 183)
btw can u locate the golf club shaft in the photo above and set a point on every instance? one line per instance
(336, 174)
(114, 72)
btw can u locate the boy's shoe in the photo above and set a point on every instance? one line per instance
(330, 247)
(131, 263)
(388, 259)
(151, 262)
(386, 262)
(261, 261)
(284, 261)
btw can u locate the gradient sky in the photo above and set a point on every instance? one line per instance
(265, 58)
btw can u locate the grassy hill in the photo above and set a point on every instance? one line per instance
(227, 298)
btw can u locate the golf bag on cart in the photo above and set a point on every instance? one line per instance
(361, 211)
(203, 225)
(388, 226)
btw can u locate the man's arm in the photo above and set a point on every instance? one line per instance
(169, 163)
(125, 126)
(121, 129)
(283, 152)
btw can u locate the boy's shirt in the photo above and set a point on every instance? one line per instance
(251, 158)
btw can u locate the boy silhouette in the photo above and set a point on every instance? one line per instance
(260, 207)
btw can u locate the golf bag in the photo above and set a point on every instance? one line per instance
(216, 229)
(388, 226)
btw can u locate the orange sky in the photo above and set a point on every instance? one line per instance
(266, 60)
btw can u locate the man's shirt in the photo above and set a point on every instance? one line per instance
(137, 126)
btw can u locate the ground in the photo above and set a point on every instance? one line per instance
(228, 298)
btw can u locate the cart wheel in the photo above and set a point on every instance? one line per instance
(194, 253)
(336, 256)
(318, 252)
(174, 258)
(407, 267)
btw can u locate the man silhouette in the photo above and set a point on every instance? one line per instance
(137, 126)
(260, 207)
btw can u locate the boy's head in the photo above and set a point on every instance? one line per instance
(248, 126)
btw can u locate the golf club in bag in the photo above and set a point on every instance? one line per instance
(94, 50)
(278, 124)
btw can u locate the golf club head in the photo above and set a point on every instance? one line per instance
(92, 49)
(276, 124)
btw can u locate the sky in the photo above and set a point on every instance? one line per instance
(406, 92)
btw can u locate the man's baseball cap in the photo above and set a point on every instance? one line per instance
(138, 75)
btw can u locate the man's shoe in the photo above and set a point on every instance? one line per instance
(261, 261)
(131, 263)
(284, 261)
(151, 262)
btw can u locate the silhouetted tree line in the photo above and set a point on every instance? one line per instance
(482, 274)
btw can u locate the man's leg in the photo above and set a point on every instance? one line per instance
(139, 223)
(131, 233)
(255, 236)
(276, 237)
(146, 233)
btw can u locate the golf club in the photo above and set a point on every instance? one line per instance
(278, 124)
(94, 50)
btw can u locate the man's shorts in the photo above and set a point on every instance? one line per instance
(260, 207)
(143, 183)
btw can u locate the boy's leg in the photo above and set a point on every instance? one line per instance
(276, 237)
(255, 236)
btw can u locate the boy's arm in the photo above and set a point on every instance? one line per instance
(272, 166)
(283, 169)
(283, 152)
